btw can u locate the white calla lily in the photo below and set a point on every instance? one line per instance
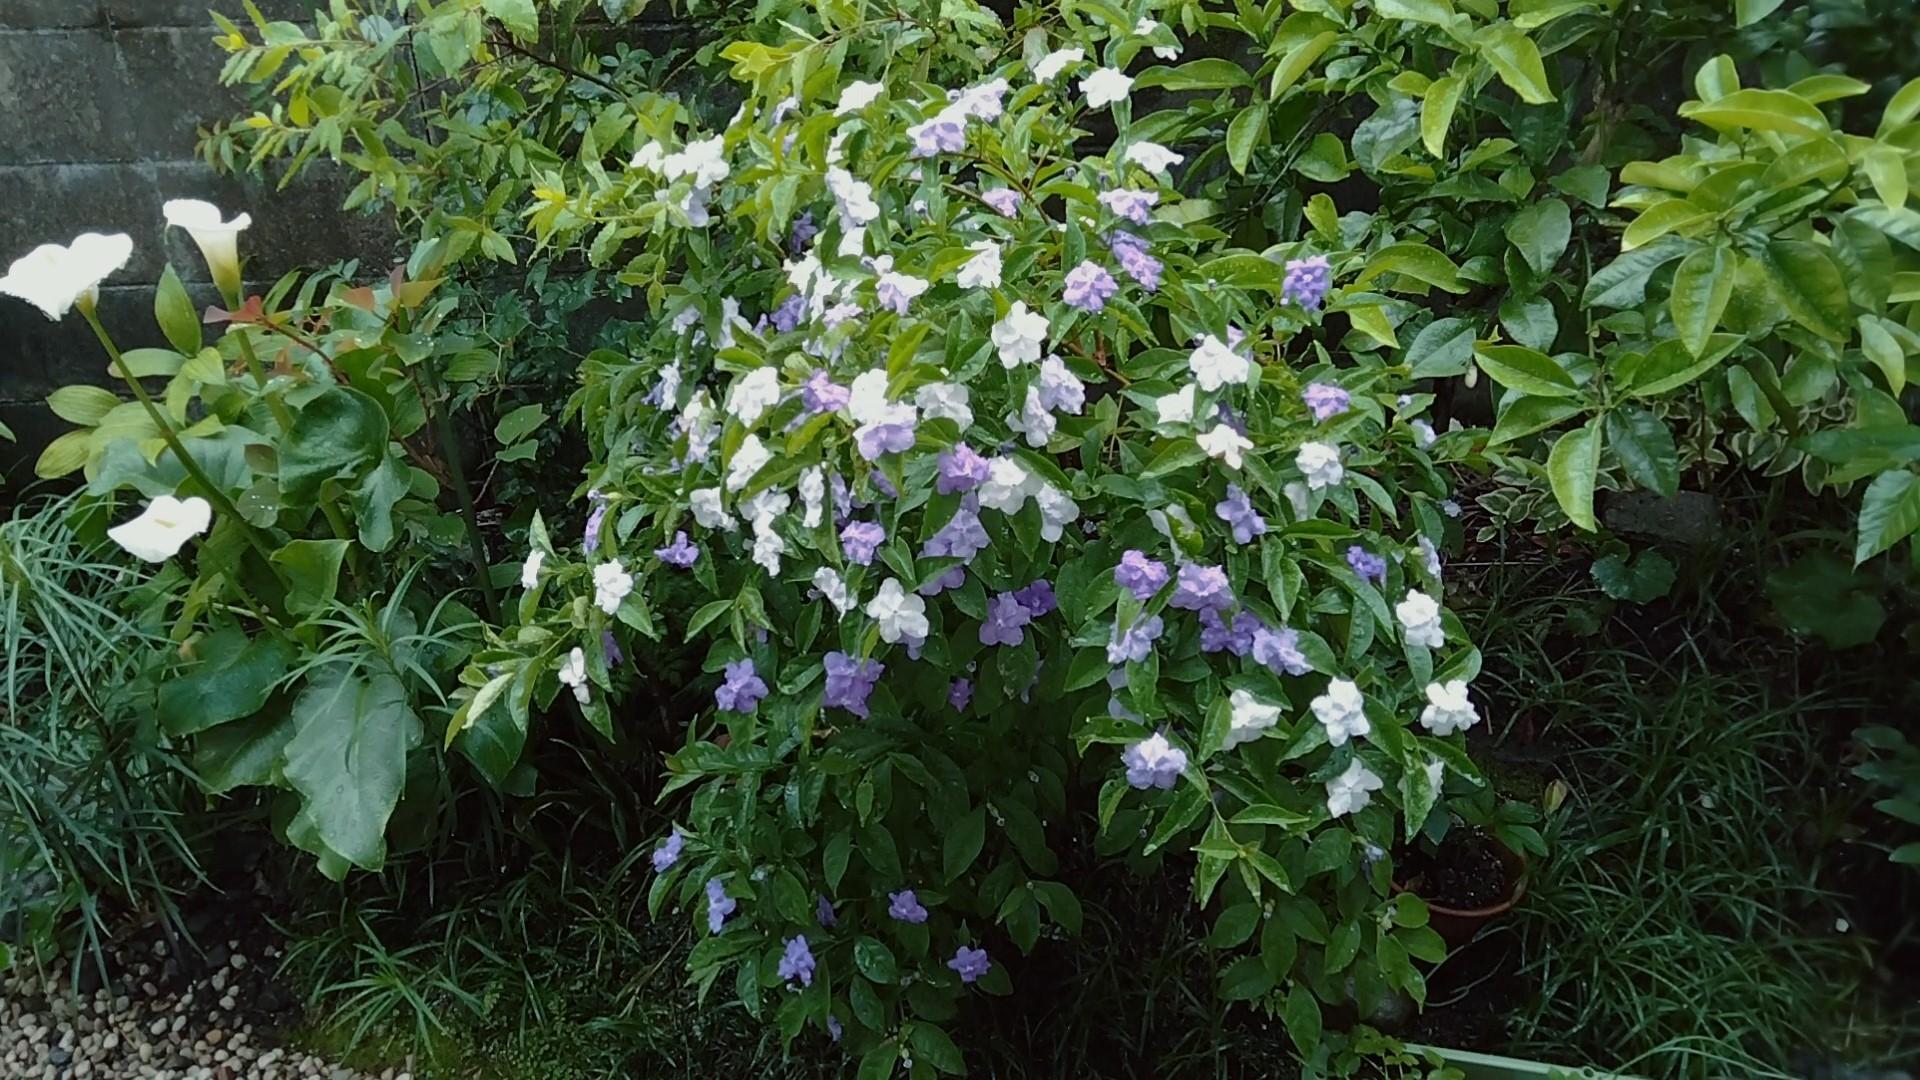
(56, 278)
(217, 239)
(163, 527)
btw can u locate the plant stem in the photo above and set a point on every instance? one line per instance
(476, 548)
(278, 407)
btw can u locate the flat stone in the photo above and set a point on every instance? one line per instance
(1688, 517)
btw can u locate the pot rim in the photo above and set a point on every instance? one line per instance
(1515, 865)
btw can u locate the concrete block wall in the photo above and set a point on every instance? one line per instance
(99, 104)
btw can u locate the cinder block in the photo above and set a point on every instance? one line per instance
(193, 14)
(55, 203)
(59, 87)
(174, 76)
(52, 14)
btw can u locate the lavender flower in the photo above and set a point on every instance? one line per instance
(961, 469)
(1367, 565)
(952, 579)
(1088, 286)
(859, 539)
(1132, 645)
(1280, 651)
(1153, 762)
(945, 133)
(962, 537)
(834, 1030)
(960, 694)
(742, 690)
(1326, 400)
(1200, 587)
(719, 905)
(889, 433)
(1129, 204)
(797, 964)
(969, 964)
(590, 540)
(1135, 258)
(668, 852)
(680, 553)
(790, 312)
(1038, 598)
(1140, 575)
(905, 907)
(1217, 634)
(610, 649)
(823, 913)
(1060, 389)
(849, 682)
(1005, 617)
(1307, 281)
(1005, 201)
(1238, 512)
(804, 230)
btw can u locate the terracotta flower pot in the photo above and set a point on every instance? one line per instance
(1457, 926)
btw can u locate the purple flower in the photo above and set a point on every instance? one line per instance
(1132, 645)
(1088, 286)
(668, 852)
(1325, 400)
(959, 694)
(961, 469)
(952, 579)
(804, 230)
(1307, 281)
(1153, 762)
(849, 682)
(798, 961)
(1367, 565)
(719, 905)
(610, 649)
(743, 689)
(1038, 598)
(1129, 204)
(789, 313)
(962, 537)
(881, 484)
(1004, 200)
(859, 539)
(1280, 650)
(1060, 390)
(1140, 575)
(1200, 587)
(590, 540)
(969, 964)
(834, 1030)
(889, 433)
(905, 907)
(680, 553)
(1219, 635)
(823, 913)
(1005, 616)
(944, 134)
(1135, 259)
(1238, 512)
(820, 394)
(839, 313)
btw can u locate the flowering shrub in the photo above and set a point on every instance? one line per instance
(985, 475)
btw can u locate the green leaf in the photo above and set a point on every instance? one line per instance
(1371, 320)
(1884, 350)
(243, 753)
(173, 310)
(1062, 906)
(518, 424)
(1529, 371)
(374, 499)
(1902, 107)
(1297, 60)
(1646, 579)
(933, 1046)
(1244, 133)
(1819, 593)
(1889, 514)
(1436, 112)
(875, 961)
(1234, 926)
(1176, 455)
(1521, 416)
(1540, 233)
(339, 435)
(83, 405)
(1517, 61)
(1442, 348)
(1436, 12)
(1622, 283)
(1417, 261)
(962, 844)
(1645, 448)
(1701, 288)
(313, 572)
(1571, 467)
(1758, 110)
(1810, 285)
(1900, 223)
(348, 759)
(64, 455)
(1667, 366)
(1301, 1015)
(878, 1063)
(1660, 219)
(516, 15)
(1887, 170)
(1748, 12)
(234, 678)
(1211, 73)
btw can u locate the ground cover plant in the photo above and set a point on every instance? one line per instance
(960, 457)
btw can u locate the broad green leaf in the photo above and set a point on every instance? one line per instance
(1645, 448)
(1660, 219)
(1418, 261)
(1436, 112)
(1245, 979)
(1889, 514)
(1668, 365)
(1902, 107)
(1442, 348)
(1749, 400)
(1517, 61)
(1819, 89)
(932, 1045)
(1810, 286)
(313, 573)
(1900, 223)
(65, 455)
(1211, 73)
(242, 753)
(1521, 416)
(233, 678)
(374, 499)
(1571, 467)
(1820, 594)
(1540, 233)
(1234, 926)
(1701, 288)
(1301, 1015)
(1881, 347)
(516, 15)
(1297, 60)
(1529, 371)
(1716, 78)
(1886, 168)
(1529, 320)
(173, 310)
(339, 435)
(1243, 133)
(348, 758)
(1371, 320)
(1646, 579)
(1436, 12)
(81, 404)
(1748, 12)
(518, 424)
(1758, 110)
(962, 843)
(1622, 283)
(875, 961)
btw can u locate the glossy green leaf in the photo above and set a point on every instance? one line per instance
(340, 434)
(1298, 60)
(1516, 59)
(242, 753)
(1571, 468)
(1417, 261)
(1648, 577)
(1436, 12)
(1521, 416)
(1889, 514)
(1882, 348)
(1436, 112)
(1442, 348)
(1668, 366)
(1645, 449)
(1244, 133)
(173, 310)
(1660, 219)
(348, 758)
(1810, 286)
(313, 572)
(1541, 232)
(1748, 12)
(233, 678)
(962, 844)
(1210, 73)
(1529, 371)
(1701, 288)
(1758, 110)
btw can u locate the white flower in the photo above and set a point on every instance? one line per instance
(1153, 157)
(708, 511)
(1214, 364)
(1423, 433)
(813, 496)
(767, 544)
(764, 506)
(1320, 464)
(983, 270)
(902, 615)
(1008, 485)
(908, 286)
(868, 401)
(648, 158)
(1430, 556)
(1225, 444)
(530, 570)
(857, 96)
(1251, 719)
(746, 461)
(705, 160)
(945, 401)
(55, 278)
(611, 584)
(1145, 28)
(1450, 508)
(217, 239)
(573, 673)
(1177, 407)
(1349, 791)
(699, 428)
(753, 395)
(1105, 87)
(163, 527)
(1420, 615)
(1341, 711)
(853, 243)
(854, 197)
(1052, 64)
(1117, 680)
(1448, 708)
(1019, 336)
(730, 317)
(981, 101)
(1057, 511)
(834, 588)
(1033, 420)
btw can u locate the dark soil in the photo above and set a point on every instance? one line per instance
(1464, 873)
